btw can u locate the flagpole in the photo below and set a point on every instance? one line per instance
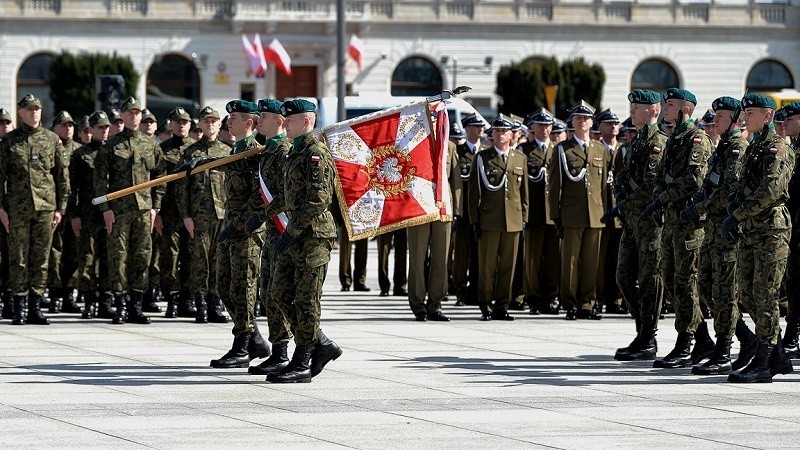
(340, 91)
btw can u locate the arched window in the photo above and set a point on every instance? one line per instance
(416, 76)
(769, 75)
(173, 81)
(654, 74)
(34, 78)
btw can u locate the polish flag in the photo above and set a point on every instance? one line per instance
(253, 59)
(277, 55)
(259, 48)
(356, 50)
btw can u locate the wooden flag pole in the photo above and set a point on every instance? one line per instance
(176, 176)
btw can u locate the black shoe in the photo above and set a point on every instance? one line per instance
(534, 311)
(486, 317)
(748, 345)
(298, 370)
(276, 361)
(460, 302)
(516, 306)
(587, 314)
(135, 314)
(438, 316)
(615, 309)
(758, 370)
(644, 348)
(400, 292)
(719, 363)
(237, 356)
(502, 316)
(257, 347)
(89, 305)
(216, 312)
(186, 306)
(202, 309)
(35, 316)
(680, 356)
(325, 351)
(18, 310)
(779, 362)
(421, 317)
(345, 288)
(551, 310)
(791, 340)
(384, 293)
(7, 314)
(105, 306)
(361, 288)
(571, 315)
(70, 304)
(703, 344)
(172, 305)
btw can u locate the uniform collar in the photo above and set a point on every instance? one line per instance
(273, 140)
(298, 141)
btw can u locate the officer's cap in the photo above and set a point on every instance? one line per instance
(29, 102)
(502, 122)
(148, 115)
(83, 124)
(98, 119)
(709, 116)
(628, 125)
(5, 116)
(595, 129)
(607, 116)
(471, 120)
(725, 104)
(179, 114)
(644, 97)
(62, 118)
(559, 126)
(680, 94)
(269, 105)
(517, 122)
(208, 112)
(456, 131)
(753, 100)
(582, 109)
(114, 115)
(541, 116)
(297, 106)
(792, 109)
(779, 117)
(130, 104)
(570, 127)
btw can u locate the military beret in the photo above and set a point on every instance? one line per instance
(779, 117)
(753, 100)
(680, 94)
(99, 119)
(644, 97)
(456, 131)
(570, 127)
(179, 114)
(725, 104)
(208, 112)
(472, 120)
(63, 117)
(83, 123)
(241, 106)
(540, 116)
(148, 115)
(29, 101)
(607, 116)
(792, 109)
(297, 106)
(5, 115)
(709, 116)
(582, 109)
(628, 125)
(559, 126)
(502, 122)
(269, 105)
(114, 115)
(131, 104)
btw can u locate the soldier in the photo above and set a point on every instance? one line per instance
(201, 205)
(63, 262)
(717, 267)
(84, 134)
(791, 338)
(559, 132)
(6, 126)
(163, 132)
(355, 275)
(195, 132)
(638, 267)
(86, 222)
(224, 135)
(304, 249)
(542, 260)
(149, 124)
(396, 241)
(757, 204)
(127, 159)
(34, 187)
(117, 123)
(498, 209)
(778, 121)
(457, 135)
(708, 126)
(683, 170)
(577, 200)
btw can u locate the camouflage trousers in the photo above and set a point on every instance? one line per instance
(3, 258)
(792, 276)
(203, 256)
(680, 244)
(761, 262)
(279, 326)
(30, 236)
(62, 271)
(129, 248)
(297, 285)
(92, 263)
(154, 268)
(238, 266)
(639, 274)
(169, 251)
(716, 283)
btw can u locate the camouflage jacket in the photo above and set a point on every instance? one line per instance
(81, 180)
(308, 188)
(173, 150)
(34, 174)
(684, 166)
(202, 195)
(69, 148)
(127, 159)
(724, 170)
(242, 193)
(640, 169)
(763, 188)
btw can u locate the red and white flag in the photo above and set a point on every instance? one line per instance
(356, 50)
(281, 220)
(259, 48)
(389, 170)
(251, 55)
(276, 54)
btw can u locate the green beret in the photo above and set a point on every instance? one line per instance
(5, 115)
(63, 117)
(644, 97)
(297, 106)
(753, 100)
(241, 106)
(83, 123)
(148, 115)
(725, 104)
(792, 109)
(29, 101)
(269, 105)
(131, 104)
(680, 94)
(179, 114)
(99, 119)
(208, 112)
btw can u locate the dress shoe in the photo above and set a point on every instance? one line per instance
(421, 317)
(587, 314)
(345, 288)
(615, 309)
(438, 316)
(460, 302)
(361, 288)
(535, 311)
(486, 317)
(571, 315)
(400, 292)
(551, 310)
(516, 306)
(502, 316)
(384, 293)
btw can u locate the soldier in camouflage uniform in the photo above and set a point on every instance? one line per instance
(34, 187)
(304, 249)
(127, 159)
(757, 204)
(63, 263)
(6, 125)
(716, 282)
(201, 204)
(85, 135)
(682, 173)
(791, 337)
(86, 222)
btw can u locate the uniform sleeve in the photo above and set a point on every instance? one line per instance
(275, 177)
(316, 180)
(777, 171)
(183, 186)
(554, 178)
(733, 169)
(474, 194)
(691, 180)
(456, 185)
(157, 192)
(72, 200)
(101, 175)
(61, 177)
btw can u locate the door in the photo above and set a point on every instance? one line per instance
(302, 83)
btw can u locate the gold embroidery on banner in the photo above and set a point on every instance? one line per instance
(389, 170)
(411, 124)
(366, 212)
(346, 146)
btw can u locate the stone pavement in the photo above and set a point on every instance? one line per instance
(535, 382)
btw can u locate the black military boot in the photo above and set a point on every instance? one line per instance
(202, 309)
(276, 361)
(237, 356)
(325, 350)
(635, 342)
(680, 356)
(150, 302)
(121, 315)
(70, 304)
(186, 306)
(56, 297)
(89, 305)
(748, 344)
(645, 349)
(105, 307)
(779, 362)
(298, 370)
(719, 363)
(172, 305)
(257, 347)
(7, 309)
(216, 312)
(703, 344)
(758, 369)
(17, 311)
(135, 314)
(35, 316)
(791, 340)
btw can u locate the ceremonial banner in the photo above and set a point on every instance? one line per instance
(390, 169)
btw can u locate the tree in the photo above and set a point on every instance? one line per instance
(585, 82)
(72, 85)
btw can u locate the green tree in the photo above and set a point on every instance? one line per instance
(585, 82)
(72, 85)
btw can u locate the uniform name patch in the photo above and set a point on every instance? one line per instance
(315, 159)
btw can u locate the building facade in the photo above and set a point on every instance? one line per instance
(189, 52)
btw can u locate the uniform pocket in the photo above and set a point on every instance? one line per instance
(729, 256)
(317, 256)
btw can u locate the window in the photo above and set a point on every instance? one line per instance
(173, 81)
(416, 76)
(34, 78)
(654, 74)
(769, 75)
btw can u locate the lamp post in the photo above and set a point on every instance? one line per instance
(453, 68)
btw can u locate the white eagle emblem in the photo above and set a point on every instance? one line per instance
(389, 170)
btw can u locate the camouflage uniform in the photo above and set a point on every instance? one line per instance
(792, 277)
(63, 263)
